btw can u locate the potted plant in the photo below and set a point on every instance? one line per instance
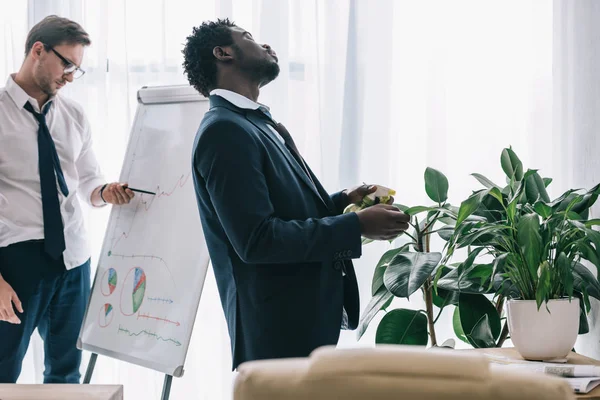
(411, 266)
(535, 247)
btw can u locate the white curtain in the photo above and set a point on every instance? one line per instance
(372, 91)
(576, 116)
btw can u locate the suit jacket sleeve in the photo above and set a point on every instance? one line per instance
(230, 161)
(339, 199)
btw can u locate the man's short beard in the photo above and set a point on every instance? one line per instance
(267, 72)
(261, 71)
(44, 85)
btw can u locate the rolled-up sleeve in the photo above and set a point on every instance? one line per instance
(90, 175)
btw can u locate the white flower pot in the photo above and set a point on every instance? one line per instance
(542, 335)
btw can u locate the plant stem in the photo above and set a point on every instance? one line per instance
(430, 223)
(503, 335)
(429, 307)
(500, 305)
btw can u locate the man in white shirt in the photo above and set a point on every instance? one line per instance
(46, 166)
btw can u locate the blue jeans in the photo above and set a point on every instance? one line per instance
(54, 301)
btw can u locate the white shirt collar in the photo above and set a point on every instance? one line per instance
(245, 103)
(238, 100)
(20, 96)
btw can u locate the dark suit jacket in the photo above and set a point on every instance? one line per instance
(279, 246)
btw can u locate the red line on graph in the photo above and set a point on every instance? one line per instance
(140, 315)
(159, 193)
(148, 204)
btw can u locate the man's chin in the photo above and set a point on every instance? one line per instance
(49, 91)
(271, 74)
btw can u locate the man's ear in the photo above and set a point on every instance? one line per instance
(223, 53)
(36, 50)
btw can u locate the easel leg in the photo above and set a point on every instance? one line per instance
(167, 387)
(90, 368)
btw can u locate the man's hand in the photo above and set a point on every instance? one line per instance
(382, 222)
(117, 193)
(356, 194)
(7, 298)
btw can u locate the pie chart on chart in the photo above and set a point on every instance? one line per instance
(109, 282)
(105, 315)
(133, 291)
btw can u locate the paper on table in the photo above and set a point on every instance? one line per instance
(579, 385)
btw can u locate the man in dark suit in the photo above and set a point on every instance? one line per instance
(280, 245)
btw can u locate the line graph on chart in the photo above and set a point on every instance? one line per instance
(138, 247)
(142, 204)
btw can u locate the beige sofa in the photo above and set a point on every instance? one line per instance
(391, 372)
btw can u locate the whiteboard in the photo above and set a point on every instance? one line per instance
(154, 259)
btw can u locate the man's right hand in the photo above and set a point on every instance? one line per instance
(7, 298)
(382, 222)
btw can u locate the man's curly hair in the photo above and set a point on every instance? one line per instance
(199, 63)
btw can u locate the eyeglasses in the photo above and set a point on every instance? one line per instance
(70, 68)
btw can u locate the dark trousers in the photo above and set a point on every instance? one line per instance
(54, 301)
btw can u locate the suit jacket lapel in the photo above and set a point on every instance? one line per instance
(324, 195)
(251, 115)
(262, 125)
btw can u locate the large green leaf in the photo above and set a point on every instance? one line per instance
(511, 165)
(469, 206)
(530, 241)
(418, 209)
(400, 207)
(542, 209)
(492, 206)
(504, 286)
(582, 207)
(588, 252)
(382, 265)
(466, 265)
(452, 283)
(381, 300)
(544, 284)
(565, 270)
(485, 181)
(442, 297)
(481, 334)
(473, 307)
(584, 326)
(563, 202)
(592, 222)
(446, 232)
(402, 326)
(457, 326)
(535, 189)
(408, 271)
(436, 185)
(468, 277)
(487, 234)
(584, 281)
(593, 237)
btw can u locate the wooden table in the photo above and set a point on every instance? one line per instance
(60, 392)
(572, 358)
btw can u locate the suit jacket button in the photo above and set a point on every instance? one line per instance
(337, 265)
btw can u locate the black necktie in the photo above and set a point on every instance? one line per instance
(50, 171)
(287, 138)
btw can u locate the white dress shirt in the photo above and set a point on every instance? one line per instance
(21, 216)
(243, 102)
